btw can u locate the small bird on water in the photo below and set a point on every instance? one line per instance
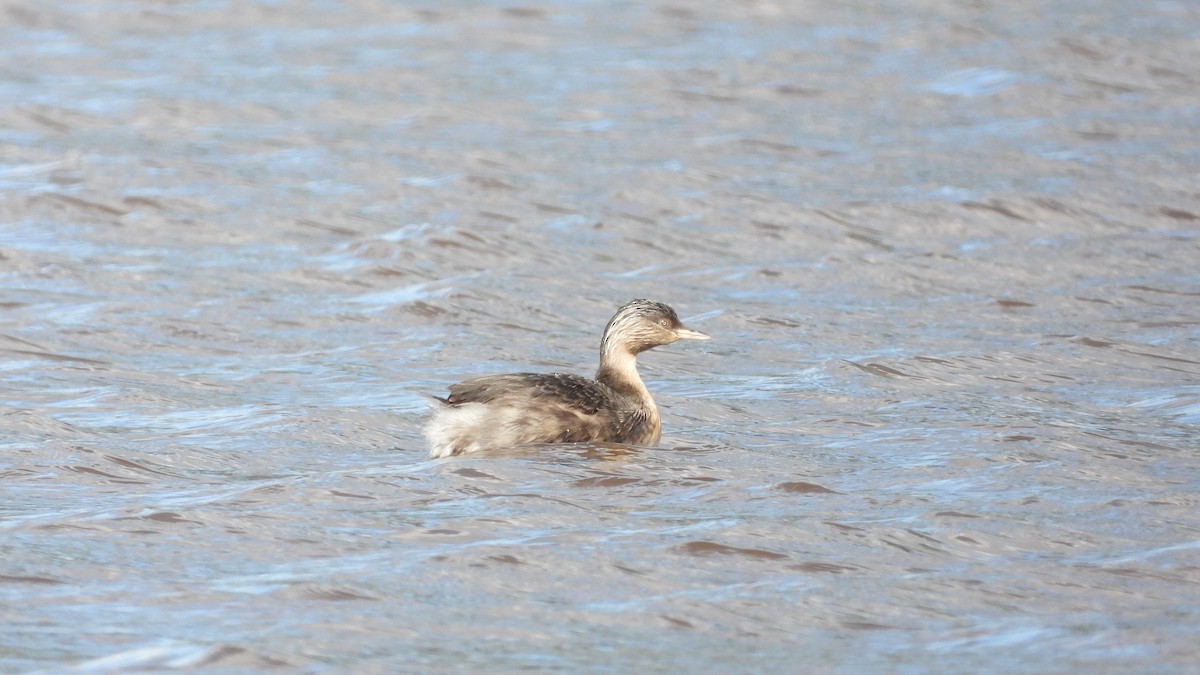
(501, 411)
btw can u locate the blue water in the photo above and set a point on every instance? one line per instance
(947, 256)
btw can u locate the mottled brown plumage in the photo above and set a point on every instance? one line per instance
(501, 411)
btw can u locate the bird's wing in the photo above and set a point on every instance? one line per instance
(584, 394)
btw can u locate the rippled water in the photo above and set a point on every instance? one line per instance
(947, 253)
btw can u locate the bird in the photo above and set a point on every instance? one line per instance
(502, 411)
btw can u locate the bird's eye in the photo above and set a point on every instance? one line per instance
(664, 323)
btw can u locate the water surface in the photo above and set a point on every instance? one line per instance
(948, 420)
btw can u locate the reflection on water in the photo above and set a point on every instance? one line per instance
(947, 257)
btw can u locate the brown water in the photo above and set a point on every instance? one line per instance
(949, 254)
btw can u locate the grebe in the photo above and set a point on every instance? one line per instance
(501, 411)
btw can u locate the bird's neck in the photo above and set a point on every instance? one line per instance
(618, 371)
